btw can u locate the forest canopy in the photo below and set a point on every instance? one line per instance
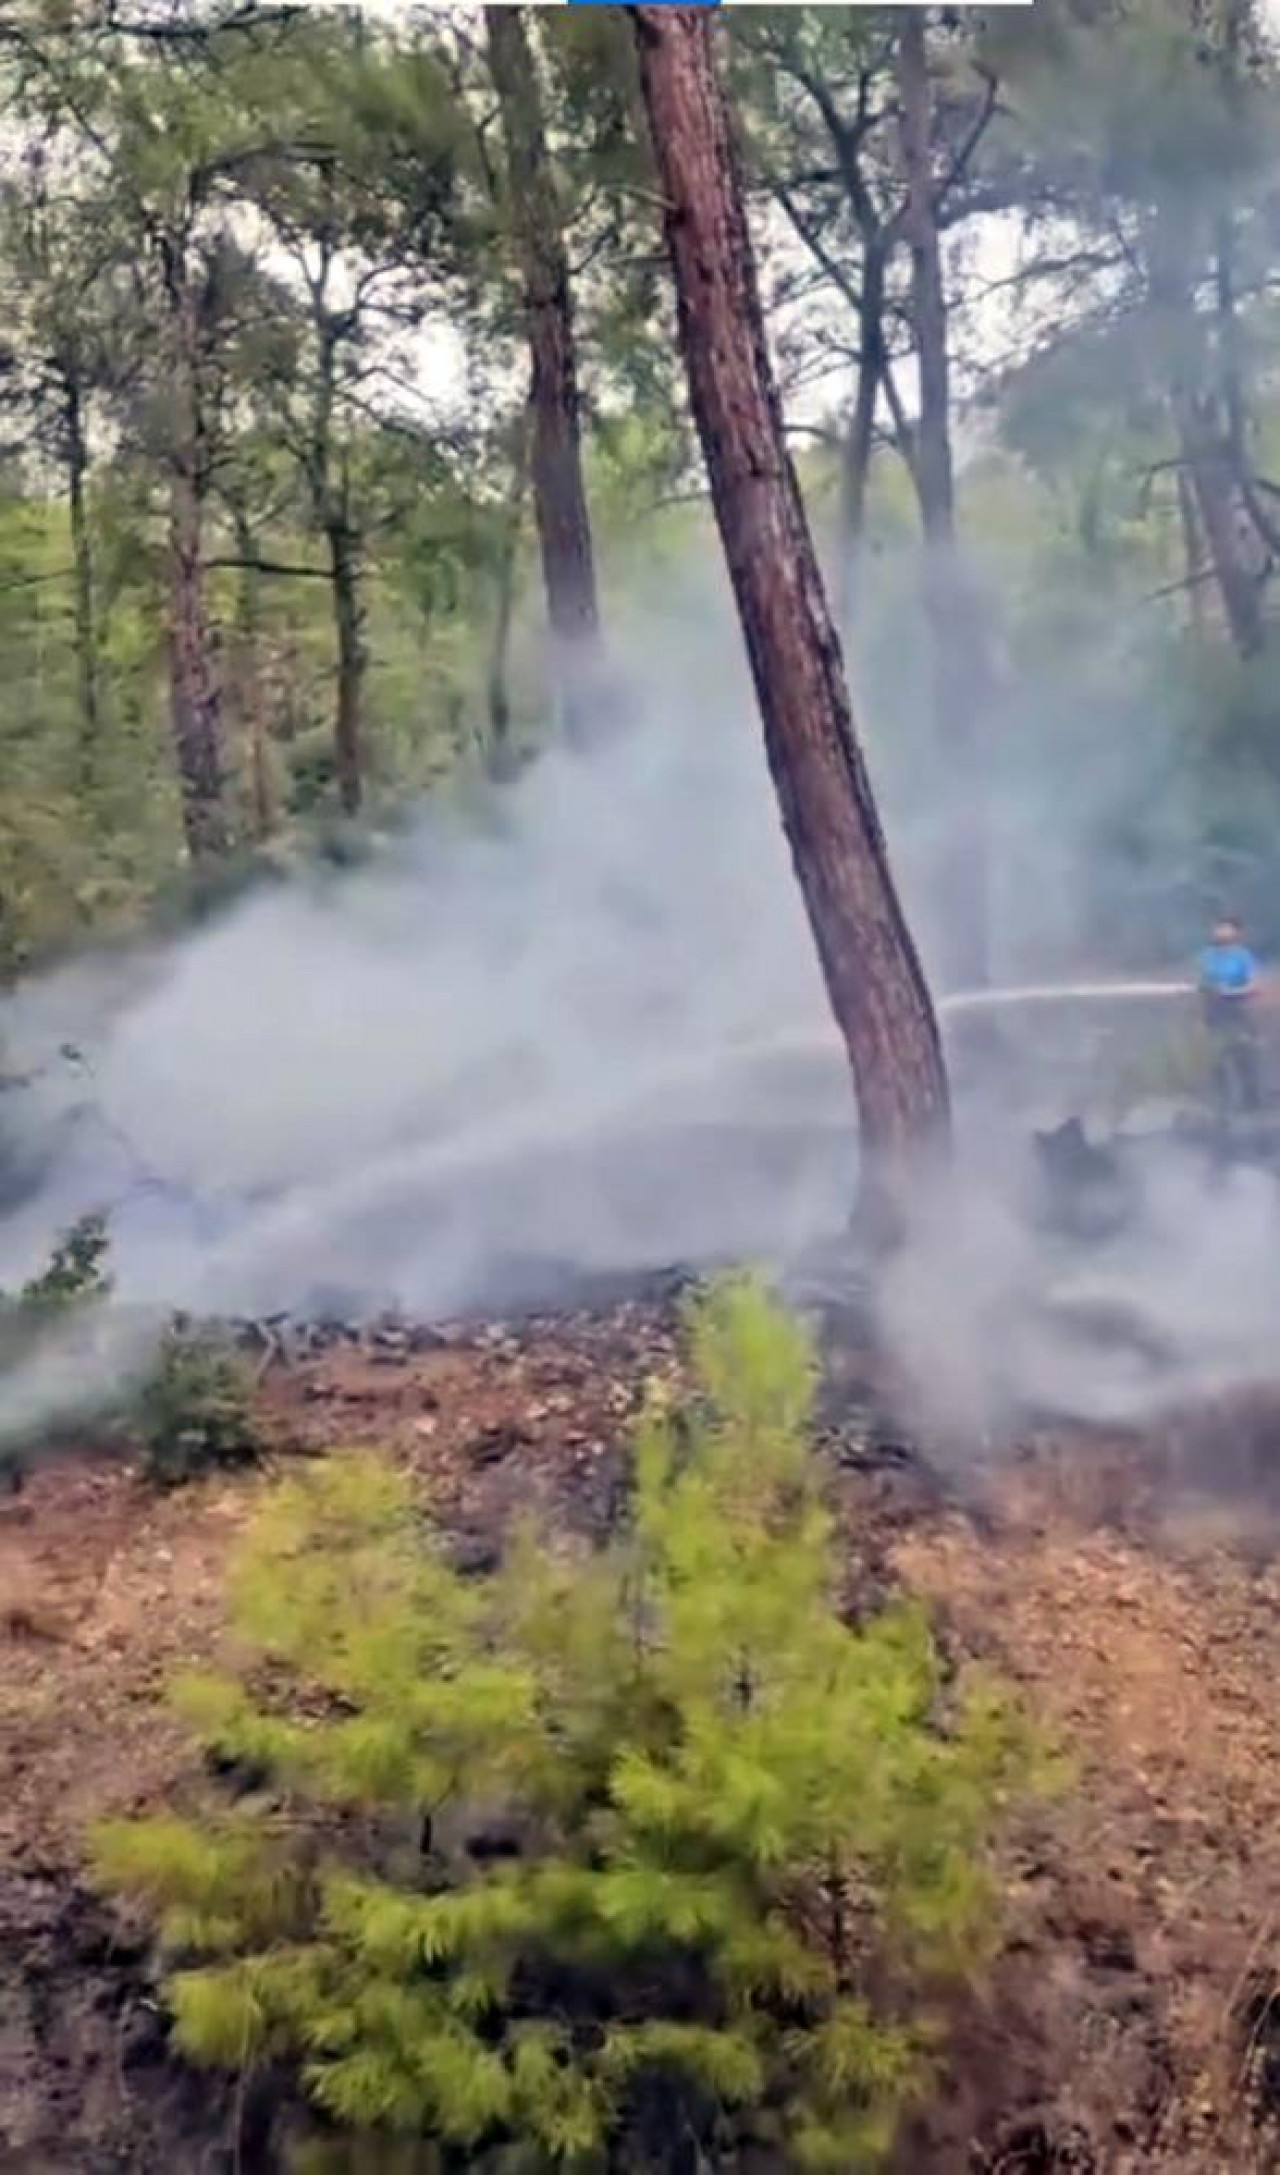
(284, 514)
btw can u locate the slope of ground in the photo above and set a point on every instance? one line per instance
(1128, 2024)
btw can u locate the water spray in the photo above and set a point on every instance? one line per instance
(991, 1000)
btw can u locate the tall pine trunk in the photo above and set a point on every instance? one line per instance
(195, 708)
(855, 473)
(329, 481)
(873, 976)
(962, 671)
(1234, 550)
(353, 657)
(85, 604)
(555, 452)
(251, 706)
(1205, 406)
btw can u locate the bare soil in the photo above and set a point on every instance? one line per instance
(1131, 1586)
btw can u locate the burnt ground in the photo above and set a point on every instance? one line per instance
(1131, 1586)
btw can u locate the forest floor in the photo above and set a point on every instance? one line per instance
(1132, 2020)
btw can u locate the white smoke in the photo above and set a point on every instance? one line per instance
(80, 1367)
(583, 1031)
(990, 1318)
(506, 1038)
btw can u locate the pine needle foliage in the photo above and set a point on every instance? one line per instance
(76, 1271)
(640, 1860)
(74, 1278)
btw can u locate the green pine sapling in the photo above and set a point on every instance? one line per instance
(739, 1845)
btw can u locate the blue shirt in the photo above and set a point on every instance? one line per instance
(1228, 970)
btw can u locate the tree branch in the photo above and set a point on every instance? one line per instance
(268, 566)
(36, 581)
(1180, 587)
(251, 16)
(818, 250)
(970, 143)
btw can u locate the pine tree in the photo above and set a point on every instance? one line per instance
(603, 1859)
(879, 998)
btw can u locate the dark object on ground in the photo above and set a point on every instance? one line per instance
(1088, 1193)
(1258, 2021)
(528, 1291)
(494, 1444)
(1039, 2145)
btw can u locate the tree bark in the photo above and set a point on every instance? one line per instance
(331, 501)
(855, 473)
(555, 454)
(1209, 465)
(85, 603)
(934, 471)
(1196, 560)
(1206, 405)
(353, 658)
(873, 976)
(195, 706)
(963, 678)
(249, 677)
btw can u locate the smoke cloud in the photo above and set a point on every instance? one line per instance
(511, 1037)
(580, 1031)
(78, 1369)
(992, 1320)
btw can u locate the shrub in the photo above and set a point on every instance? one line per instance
(195, 1412)
(75, 1280)
(638, 1859)
(77, 1270)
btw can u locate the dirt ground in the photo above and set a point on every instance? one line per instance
(1130, 2021)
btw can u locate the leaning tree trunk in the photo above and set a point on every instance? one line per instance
(873, 976)
(962, 673)
(555, 453)
(353, 658)
(195, 709)
(85, 605)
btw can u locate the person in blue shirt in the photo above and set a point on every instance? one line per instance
(1228, 981)
(1227, 966)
